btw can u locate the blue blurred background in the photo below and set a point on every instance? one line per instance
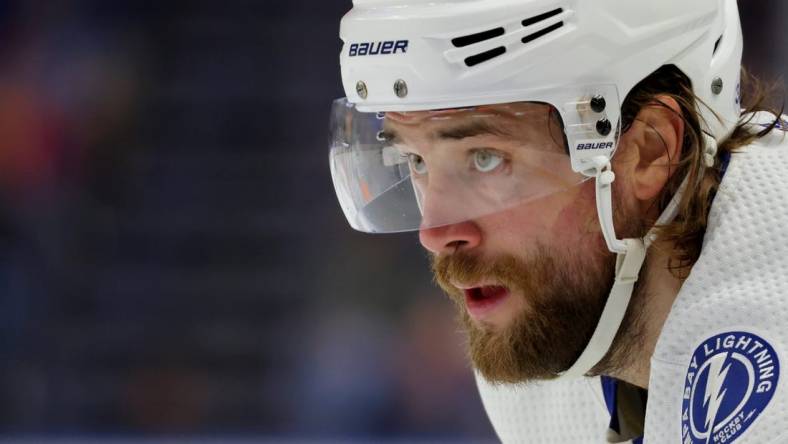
(173, 261)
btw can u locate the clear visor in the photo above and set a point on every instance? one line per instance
(405, 171)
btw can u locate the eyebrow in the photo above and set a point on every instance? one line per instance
(472, 129)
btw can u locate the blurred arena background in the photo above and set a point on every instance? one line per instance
(173, 262)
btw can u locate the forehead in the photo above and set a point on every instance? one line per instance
(511, 121)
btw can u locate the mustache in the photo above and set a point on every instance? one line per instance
(506, 270)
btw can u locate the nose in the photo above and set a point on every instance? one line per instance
(450, 238)
(440, 202)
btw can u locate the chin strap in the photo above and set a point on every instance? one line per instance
(631, 253)
(604, 203)
(627, 269)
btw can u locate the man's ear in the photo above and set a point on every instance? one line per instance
(655, 140)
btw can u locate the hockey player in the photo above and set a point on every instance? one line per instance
(607, 220)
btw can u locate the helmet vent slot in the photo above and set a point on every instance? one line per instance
(531, 37)
(460, 42)
(717, 45)
(484, 56)
(542, 17)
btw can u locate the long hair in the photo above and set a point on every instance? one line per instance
(686, 231)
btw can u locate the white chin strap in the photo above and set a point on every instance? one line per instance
(631, 255)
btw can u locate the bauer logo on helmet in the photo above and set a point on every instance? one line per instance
(388, 47)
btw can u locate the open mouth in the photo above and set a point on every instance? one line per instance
(480, 297)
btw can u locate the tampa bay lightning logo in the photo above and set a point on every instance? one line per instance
(730, 381)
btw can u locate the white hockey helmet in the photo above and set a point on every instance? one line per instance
(581, 57)
(455, 53)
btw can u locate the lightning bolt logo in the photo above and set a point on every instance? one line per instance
(730, 380)
(713, 395)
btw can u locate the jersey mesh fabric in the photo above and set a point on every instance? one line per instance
(740, 282)
(557, 412)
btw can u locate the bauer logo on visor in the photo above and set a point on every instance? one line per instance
(595, 146)
(730, 381)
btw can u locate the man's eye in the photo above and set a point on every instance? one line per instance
(486, 161)
(417, 163)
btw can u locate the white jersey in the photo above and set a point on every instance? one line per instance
(716, 374)
(556, 412)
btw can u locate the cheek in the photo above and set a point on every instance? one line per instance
(578, 215)
(577, 225)
(566, 219)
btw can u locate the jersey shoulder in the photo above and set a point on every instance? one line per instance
(776, 138)
(716, 371)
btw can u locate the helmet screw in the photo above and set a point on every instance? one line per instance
(361, 89)
(598, 104)
(716, 86)
(603, 127)
(401, 88)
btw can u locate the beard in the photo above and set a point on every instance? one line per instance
(564, 300)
